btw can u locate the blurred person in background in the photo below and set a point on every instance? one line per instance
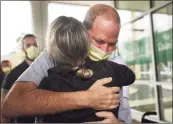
(2, 75)
(103, 24)
(6, 66)
(31, 51)
(1, 80)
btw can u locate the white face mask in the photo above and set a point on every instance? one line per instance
(97, 54)
(32, 52)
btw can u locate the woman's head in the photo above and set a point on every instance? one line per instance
(68, 42)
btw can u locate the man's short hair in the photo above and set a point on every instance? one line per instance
(97, 10)
(27, 36)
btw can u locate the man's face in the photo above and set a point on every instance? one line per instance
(5, 65)
(30, 48)
(104, 34)
(29, 41)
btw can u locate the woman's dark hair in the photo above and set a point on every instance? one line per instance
(68, 42)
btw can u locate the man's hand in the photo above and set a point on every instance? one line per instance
(102, 97)
(109, 118)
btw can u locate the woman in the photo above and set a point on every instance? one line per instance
(69, 43)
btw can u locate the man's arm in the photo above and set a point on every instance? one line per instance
(6, 85)
(124, 114)
(25, 98)
(13, 75)
(38, 69)
(32, 101)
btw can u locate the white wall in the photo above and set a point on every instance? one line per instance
(40, 20)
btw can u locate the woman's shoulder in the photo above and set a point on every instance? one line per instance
(46, 58)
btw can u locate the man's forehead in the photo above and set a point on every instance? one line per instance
(29, 40)
(5, 64)
(106, 28)
(104, 21)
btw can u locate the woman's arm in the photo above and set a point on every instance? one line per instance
(124, 75)
(127, 76)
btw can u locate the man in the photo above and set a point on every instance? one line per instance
(103, 24)
(31, 50)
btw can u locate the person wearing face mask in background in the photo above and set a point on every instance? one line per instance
(31, 51)
(2, 74)
(1, 79)
(6, 66)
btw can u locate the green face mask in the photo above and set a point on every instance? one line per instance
(32, 52)
(97, 54)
